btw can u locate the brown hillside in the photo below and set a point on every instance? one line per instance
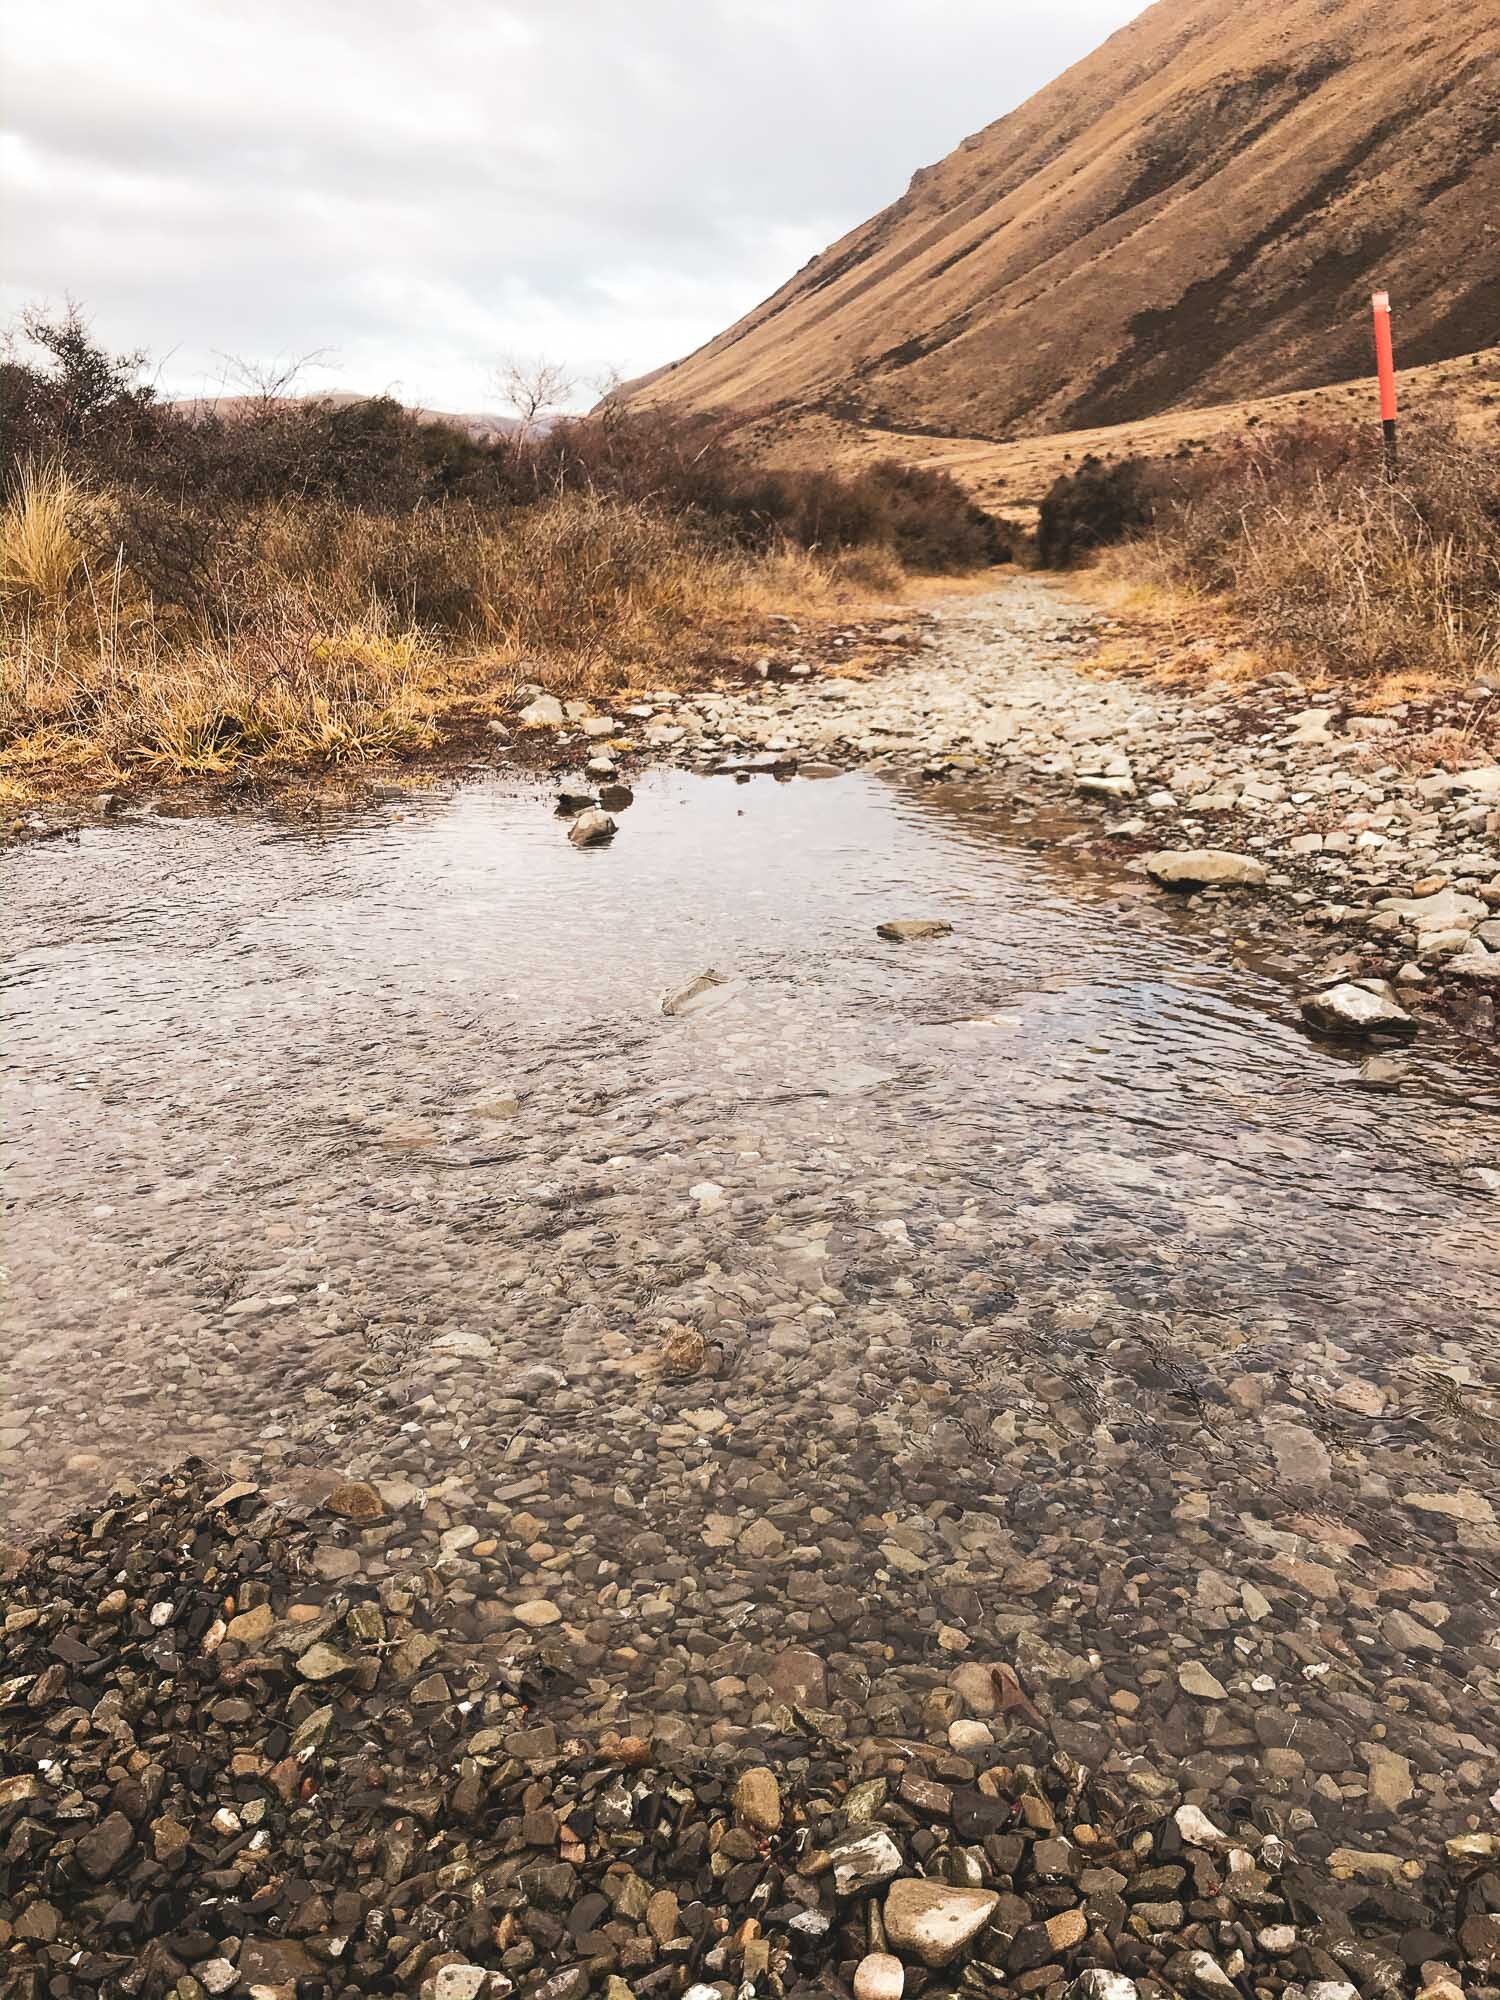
(1193, 214)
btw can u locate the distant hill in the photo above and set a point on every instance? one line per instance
(1194, 214)
(481, 426)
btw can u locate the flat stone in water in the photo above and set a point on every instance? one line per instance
(591, 829)
(906, 930)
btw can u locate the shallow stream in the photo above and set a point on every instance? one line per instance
(371, 1146)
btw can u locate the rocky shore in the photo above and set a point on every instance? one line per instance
(1370, 842)
(344, 1748)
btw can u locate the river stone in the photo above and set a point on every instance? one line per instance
(1391, 1782)
(863, 1861)
(1464, 1505)
(1300, 1454)
(1473, 964)
(101, 1850)
(757, 1799)
(1195, 1679)
(1204, 868)
(591, 829)
(461, 1982)
(251, 1626)
(688, 998)
(356, 1500)
(1443, 910)
(545, 712)
(905, 930)
(879, 1976)
(1198, 1830)
(799, 1676)
(934, 1922)
(1207, 1978)
(1100, 1984)
(537, 1612)
(322, 1662)
(1351, 1009)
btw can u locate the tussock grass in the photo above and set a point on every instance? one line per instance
(298, 582)
(1333, 571)
(325, 635)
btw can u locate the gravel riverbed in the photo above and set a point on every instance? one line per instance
(828, 1394)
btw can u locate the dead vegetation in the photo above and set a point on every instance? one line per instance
(313, 585)
(1328, 568)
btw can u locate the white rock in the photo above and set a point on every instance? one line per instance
(879, 1976)
(545, 712)
(970, 1739)
(1353, 1009)
(933, 1922)
(863, 1861)
(1098, 1984)
(1198, 1830)
(1208, 1978)
(1204, 868)
(1475, 965)
(460, 1982)
(1444, 910)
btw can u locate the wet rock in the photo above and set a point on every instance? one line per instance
(906, 930)
(105, 1846)
(536, 1613)
(1391, 1782)
(1300, 1456)
(1204, 868)
(689, 999)
(797, 1675)
(591, 829)
(1207, 1978)
(1356, 1009)
(1098, 1983)
(933, 1923)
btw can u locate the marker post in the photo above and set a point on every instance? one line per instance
(1385, 366)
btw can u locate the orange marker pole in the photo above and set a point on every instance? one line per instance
(1385, 366)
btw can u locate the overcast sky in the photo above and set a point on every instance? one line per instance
(417, 188)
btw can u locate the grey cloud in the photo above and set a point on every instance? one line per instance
(422, 188)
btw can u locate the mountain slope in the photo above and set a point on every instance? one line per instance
(1195, 212)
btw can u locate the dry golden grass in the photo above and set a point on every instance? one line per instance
(315, 644)
(1320, 566)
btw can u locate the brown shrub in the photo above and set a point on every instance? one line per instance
(1331, 566)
